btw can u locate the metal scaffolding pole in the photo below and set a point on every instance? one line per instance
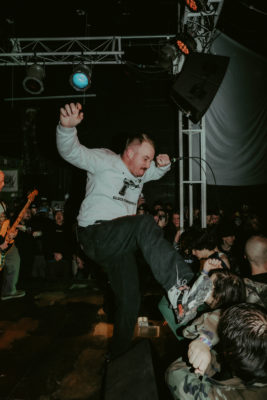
(192, 167)
(202, 26)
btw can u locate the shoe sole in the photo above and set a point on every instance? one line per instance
(12, 297)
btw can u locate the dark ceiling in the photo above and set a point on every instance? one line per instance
(243, 20)
(102, 17)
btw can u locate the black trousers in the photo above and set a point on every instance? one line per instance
(112, 244)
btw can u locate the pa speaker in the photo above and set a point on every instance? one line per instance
(198, 83)
(131, 376)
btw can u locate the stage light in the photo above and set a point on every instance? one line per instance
(33, 83)
(80, 78)
(167, 54)
(186, 43)
(196, 5)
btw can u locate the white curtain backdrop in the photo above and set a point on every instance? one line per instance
(236, 121)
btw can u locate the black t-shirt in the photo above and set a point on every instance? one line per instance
(262, 278)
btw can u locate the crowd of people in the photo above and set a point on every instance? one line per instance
(214, 278)
(45, 247)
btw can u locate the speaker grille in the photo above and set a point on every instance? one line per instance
(198, 83)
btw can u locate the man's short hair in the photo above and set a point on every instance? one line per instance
(256, 249)
(203, 238)
(243, 336)
(139, 139)
(226, 229)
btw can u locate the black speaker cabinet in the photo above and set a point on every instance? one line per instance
(131, 376)
(198, 83)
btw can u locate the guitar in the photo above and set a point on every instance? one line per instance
(7, 232)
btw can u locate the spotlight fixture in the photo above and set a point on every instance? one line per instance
(80, 78)
(33, 83)
(196, 5)
(167, 55)
(186, 43)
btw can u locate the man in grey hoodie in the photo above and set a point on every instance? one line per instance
(109, 230)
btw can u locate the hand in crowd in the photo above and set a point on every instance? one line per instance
(4, 246)
(210, 264)
(36, 234)
(71, 115)
(22, 228)
(11, 235)
(162, 222)
(141, 200)
(162, 160)
(178, 235)
(199, 356)
(58, 256)
(80, 262)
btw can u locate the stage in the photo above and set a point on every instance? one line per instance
(53, 342)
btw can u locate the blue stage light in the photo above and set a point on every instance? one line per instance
(80, 80)
(81, 77)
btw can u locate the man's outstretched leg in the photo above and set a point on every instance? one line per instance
(118, 237)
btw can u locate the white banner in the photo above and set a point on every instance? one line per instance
(236, 122)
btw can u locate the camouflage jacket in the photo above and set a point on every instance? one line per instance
(186, 385)
(206, 324)
(256, 292)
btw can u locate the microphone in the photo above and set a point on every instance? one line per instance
(175, 159)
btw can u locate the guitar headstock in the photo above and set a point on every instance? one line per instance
(32, 195)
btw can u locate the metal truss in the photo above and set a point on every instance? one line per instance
(65, 51)
(192, 137)
(202, 25)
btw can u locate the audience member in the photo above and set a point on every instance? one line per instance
(226, 245)
(25, 245)
(221, 289)
(160, 217)
(243, 341)
(172, 230)
(157, 205)
(33, 208)
(40, 225)
(256, 254)
(204, 244)
(256, 292)
(251, 226)
(10, 260)
(213, 217)
(58, 248)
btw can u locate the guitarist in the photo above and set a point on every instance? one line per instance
(10, 272)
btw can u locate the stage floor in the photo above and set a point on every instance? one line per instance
(53, 341)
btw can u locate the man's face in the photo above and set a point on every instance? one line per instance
(140, 211)
(140, 157)
(27, 215)
(59, 218)
(229, 240)
(199, 253)
(214, 219)
(2, 180)
(34, 211)
(176, 220)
